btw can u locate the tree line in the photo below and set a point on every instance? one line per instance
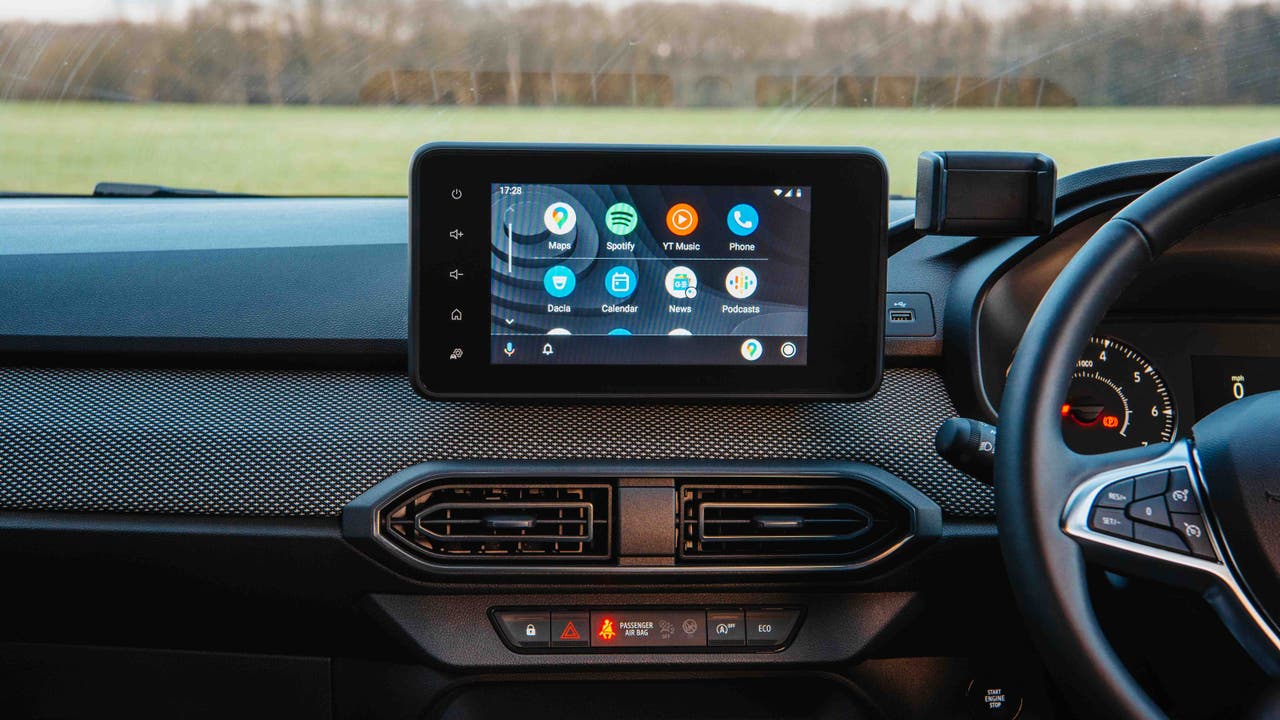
(348, 51)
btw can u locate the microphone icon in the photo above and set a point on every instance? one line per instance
(510, 349)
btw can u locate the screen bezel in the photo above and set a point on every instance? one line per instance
(847, 249)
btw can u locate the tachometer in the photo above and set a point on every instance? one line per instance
(1117, 400)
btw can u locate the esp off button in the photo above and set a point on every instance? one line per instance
(770, 628)
(725, 628)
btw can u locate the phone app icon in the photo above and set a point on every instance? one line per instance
(621, 218)
(620, 281)
(743, 219)
(682, 283)
(560, 218)
(559, 281)
(752, 349)
(682, 219)
(740, 282)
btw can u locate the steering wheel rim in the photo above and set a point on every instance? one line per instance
(1035, 473)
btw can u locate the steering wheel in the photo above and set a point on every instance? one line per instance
(1203, 511)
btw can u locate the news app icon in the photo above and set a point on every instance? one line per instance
(682, 283)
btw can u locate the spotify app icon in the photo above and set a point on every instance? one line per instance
(621, 218)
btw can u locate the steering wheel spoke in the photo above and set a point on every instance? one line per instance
(1147, 516)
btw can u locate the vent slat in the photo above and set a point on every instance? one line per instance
(781, 523)
(508, 521)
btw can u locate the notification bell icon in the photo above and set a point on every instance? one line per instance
(548, 350)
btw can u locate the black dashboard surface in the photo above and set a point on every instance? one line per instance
(306, 442)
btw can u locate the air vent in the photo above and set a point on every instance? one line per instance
(504, 522)
(781, 522)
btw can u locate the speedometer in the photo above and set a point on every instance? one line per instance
(1117, 400)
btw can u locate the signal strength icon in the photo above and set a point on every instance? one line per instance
(790, 192)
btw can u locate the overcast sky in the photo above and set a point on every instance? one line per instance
(146, 10)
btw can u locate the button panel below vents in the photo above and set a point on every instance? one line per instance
(784, 523)
(510, 522)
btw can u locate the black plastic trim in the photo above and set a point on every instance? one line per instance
(361, 526)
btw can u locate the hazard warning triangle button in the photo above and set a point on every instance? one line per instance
(568, 629)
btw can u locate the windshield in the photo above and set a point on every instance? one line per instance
(330, 97)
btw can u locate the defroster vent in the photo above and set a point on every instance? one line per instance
(783, 522)
(504, 521)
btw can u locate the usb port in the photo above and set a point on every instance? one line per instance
(902, 316)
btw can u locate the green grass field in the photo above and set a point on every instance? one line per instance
(68, 147)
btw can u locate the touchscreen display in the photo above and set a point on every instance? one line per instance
(649, 274)
(621, 272)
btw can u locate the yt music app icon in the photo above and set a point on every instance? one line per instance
(682, 219)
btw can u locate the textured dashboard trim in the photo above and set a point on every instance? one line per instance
(304, 443)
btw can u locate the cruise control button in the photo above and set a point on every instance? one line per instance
(770, 627)
(1144, 486)
(1167, 539)
(525, 628)
(1152, 510)
(1111, 521)
(570, 629)
(1116, 495)
(1180, 497)
(1192, 529)
(725, 628)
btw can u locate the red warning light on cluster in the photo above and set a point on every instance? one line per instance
(606, 631)
(1110, 422)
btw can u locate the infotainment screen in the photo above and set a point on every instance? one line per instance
(649, 274)
(637, 271)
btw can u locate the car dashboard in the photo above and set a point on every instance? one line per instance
(217, 473)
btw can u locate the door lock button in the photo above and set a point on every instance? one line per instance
(525, 628)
